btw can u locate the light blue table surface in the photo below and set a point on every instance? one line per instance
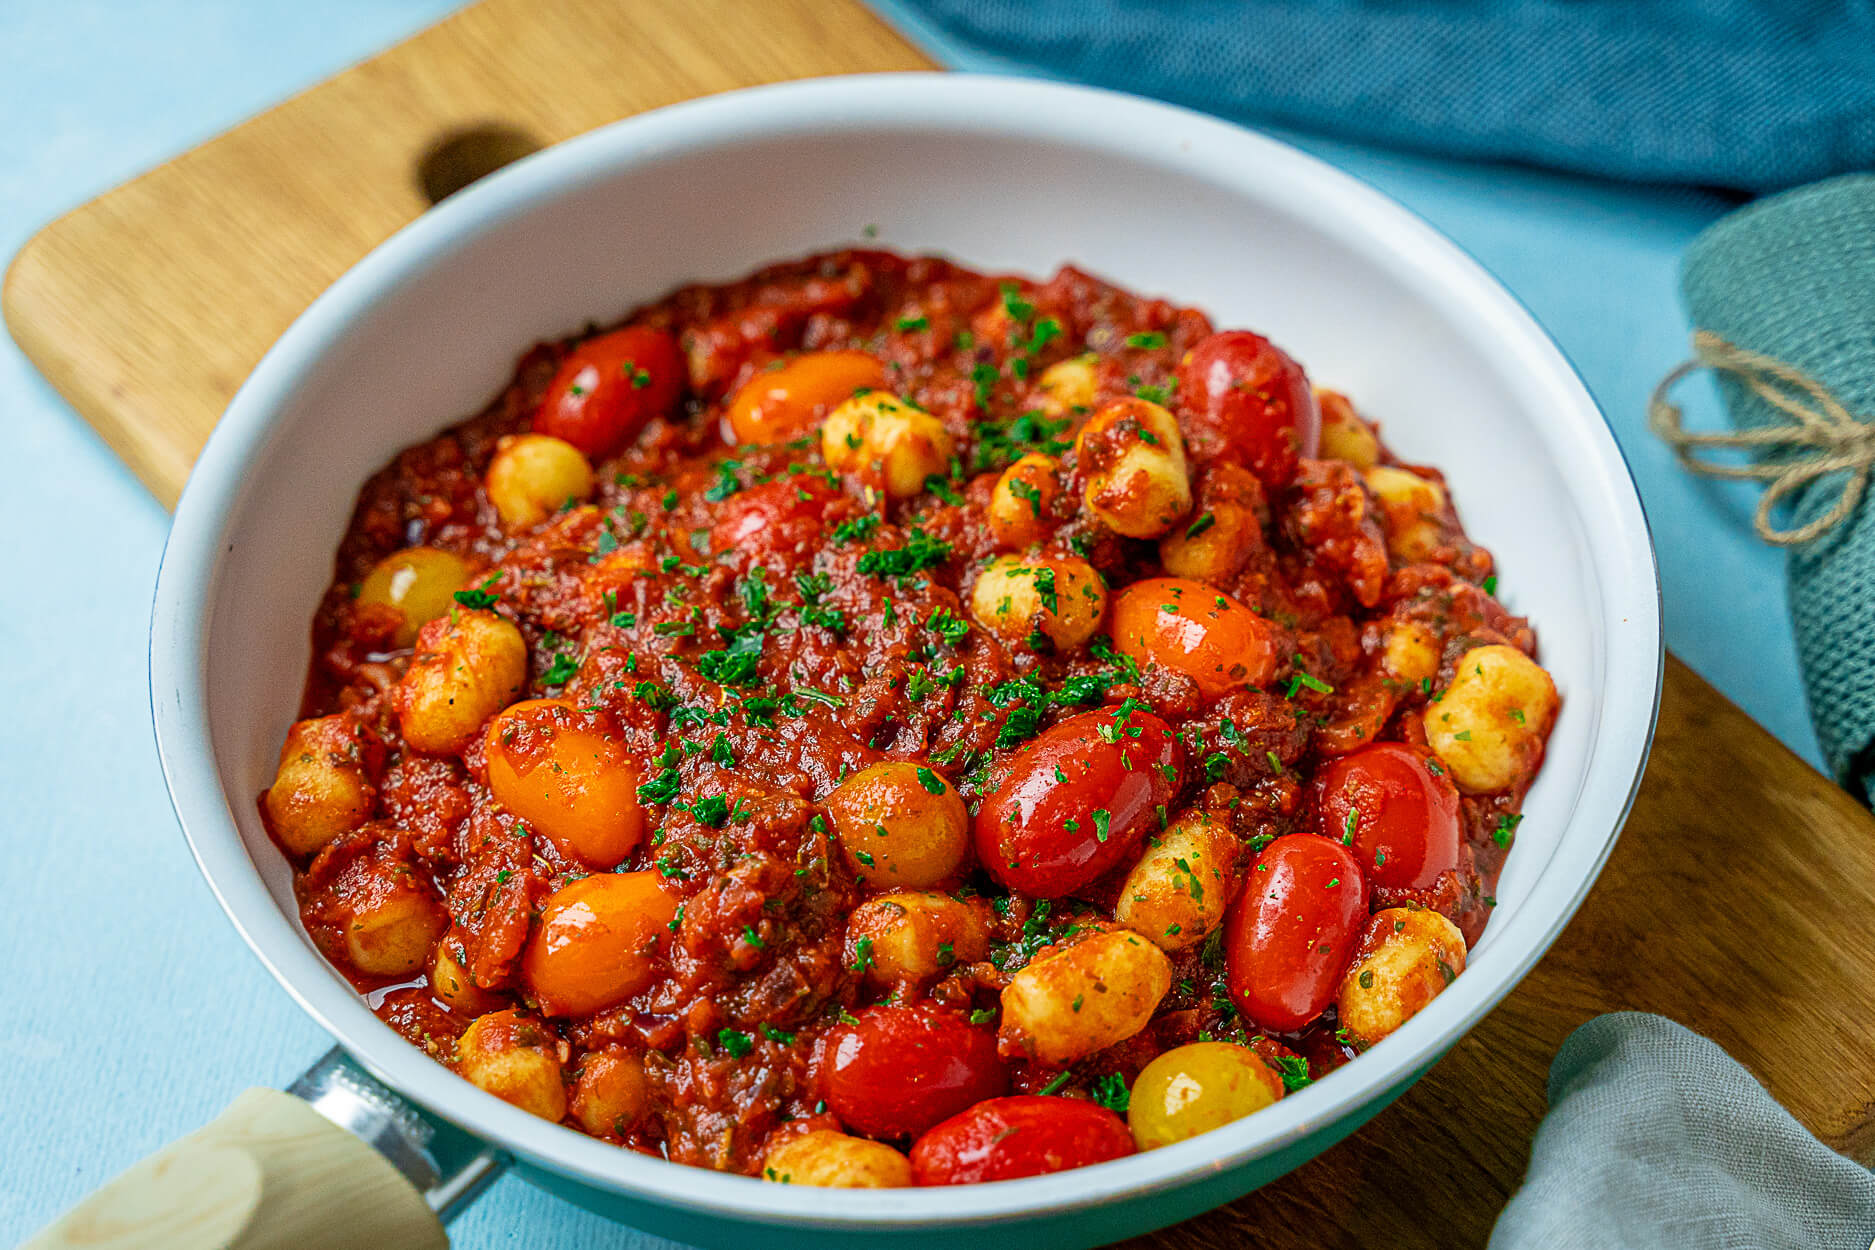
(132, 1013)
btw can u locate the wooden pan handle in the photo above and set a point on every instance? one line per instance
(269, 1173)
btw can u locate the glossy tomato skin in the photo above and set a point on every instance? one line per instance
(1005, 1139)
(1290, 935)
(1243, 399)
(774, 518)
(1193, 629)
(1403, 816)
(897, 1070)
(609, 387)
(789, 398)
(1076, 801)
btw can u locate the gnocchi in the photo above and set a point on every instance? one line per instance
(914, 937)
(1069, 386)
(610, 1094)
(1021, 511)
(878, 431)
(1490, 722)
(468, 666)
(533, 476)
(833, 1160)
(1225, 531)
(1345, 436)
(1134, 459)
(1412, 510)
(1405, 959)
(1042, 603)
(1177, 892)
(517, 1059)
(1079, 998)
(320, 789)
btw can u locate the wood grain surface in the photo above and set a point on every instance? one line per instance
(148, 306)
(1737, 902)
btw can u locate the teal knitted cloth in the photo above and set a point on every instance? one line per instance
(1793, 277)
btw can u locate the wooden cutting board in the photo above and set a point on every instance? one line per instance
(1737, 902)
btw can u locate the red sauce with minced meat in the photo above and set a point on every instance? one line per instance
(875, 723)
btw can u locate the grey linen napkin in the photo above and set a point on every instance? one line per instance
(1656, 1139)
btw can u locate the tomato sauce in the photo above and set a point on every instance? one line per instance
(792, 548)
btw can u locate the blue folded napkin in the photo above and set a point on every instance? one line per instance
(1657, 1140)
(1736, 93)
(1792, 278)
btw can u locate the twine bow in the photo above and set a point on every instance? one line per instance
(1833, 435)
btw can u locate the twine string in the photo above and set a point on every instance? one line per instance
(1826, 435)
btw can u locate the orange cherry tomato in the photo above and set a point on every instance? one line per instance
(1076, 801)
(552, 766)
(609, 387)
(1023, 1135)
(780, 403)
(1192, 629)
(600, 941)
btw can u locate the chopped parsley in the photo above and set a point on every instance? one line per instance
(921, 551)
(1295, 1072)
(1302, 679)
(857, 528)
(983, 378)
(947, 625)
(481, 597)
(737, 664)
(727, 483)
(712, 811)
(661, 788)
(561, 671)
(1054, 1086)
(1110, 1091)
(1000, 443)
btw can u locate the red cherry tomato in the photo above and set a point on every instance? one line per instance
(609, 387)
(896, 1071)
(1404, 818)
(1076, 801)
(775, 517)
(1244, 399)
(1026, 1135)
(1291, 933)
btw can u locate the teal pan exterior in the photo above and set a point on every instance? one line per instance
(1094, 1225)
